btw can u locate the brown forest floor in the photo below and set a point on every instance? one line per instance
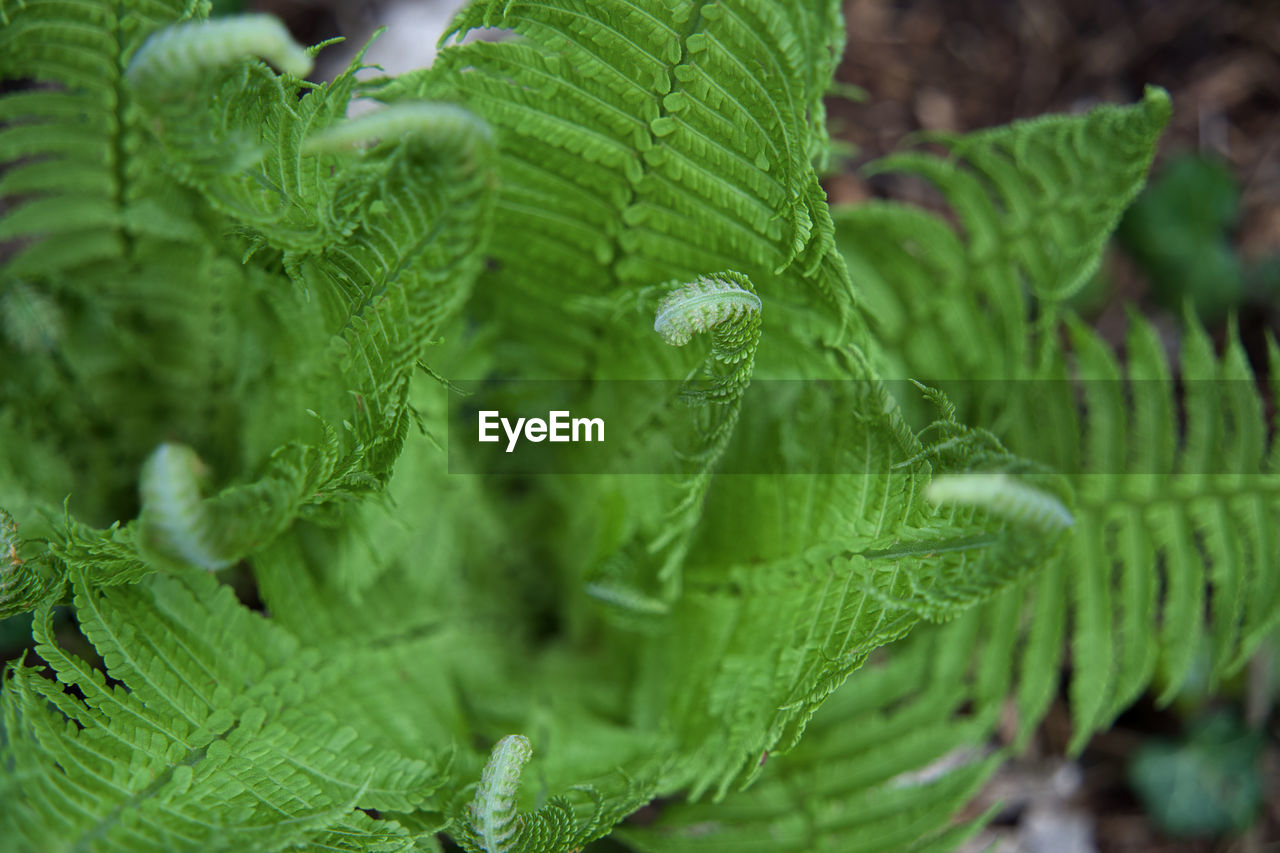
(967, 64)
(962, 65)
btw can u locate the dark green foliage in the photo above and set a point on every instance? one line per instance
(1207, 784)
(1179, 231)
(841, 789)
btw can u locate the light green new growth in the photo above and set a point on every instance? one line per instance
(1004, 496)
(493, 812)
(214, 269)
(441, 124)
(727, 308)
(171, 506)
(700, 306)
(184, 50)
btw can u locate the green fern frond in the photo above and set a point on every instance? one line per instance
(813, 573)
(1171, 558)
(725, 307)
(1038, 199)
(208, 713)
(1036, 202)
(1176, 550)
(643, 143)
(180, 53)
(77, 141)
(350, 277)
(215, 532)
(882, 768)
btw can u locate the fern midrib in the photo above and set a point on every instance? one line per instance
(391, 276)
(619, 254)
(1267, 486)
(85, 843)
(119, 173)
(927, 549)
(808, 558)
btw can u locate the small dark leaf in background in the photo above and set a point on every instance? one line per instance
(15, 635)
(1262, 281)
(1179, 231)
(1208, 784)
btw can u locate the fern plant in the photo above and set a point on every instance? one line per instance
(228, 310)
(1172, 520)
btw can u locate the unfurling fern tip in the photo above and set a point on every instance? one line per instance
(701, 305)
(494, 817)
(173, 513)
(1003, 496)
(182, 51)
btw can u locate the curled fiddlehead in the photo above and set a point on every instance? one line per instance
(185, 50)
(443, 125)
(495, 820)
(174, 518)
(1004, 496)
(726, 306)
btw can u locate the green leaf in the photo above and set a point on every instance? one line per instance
(1179, 229)
(1209, 784)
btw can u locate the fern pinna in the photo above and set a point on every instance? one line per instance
(194, 289)
(1172, 558)
(226, 311)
